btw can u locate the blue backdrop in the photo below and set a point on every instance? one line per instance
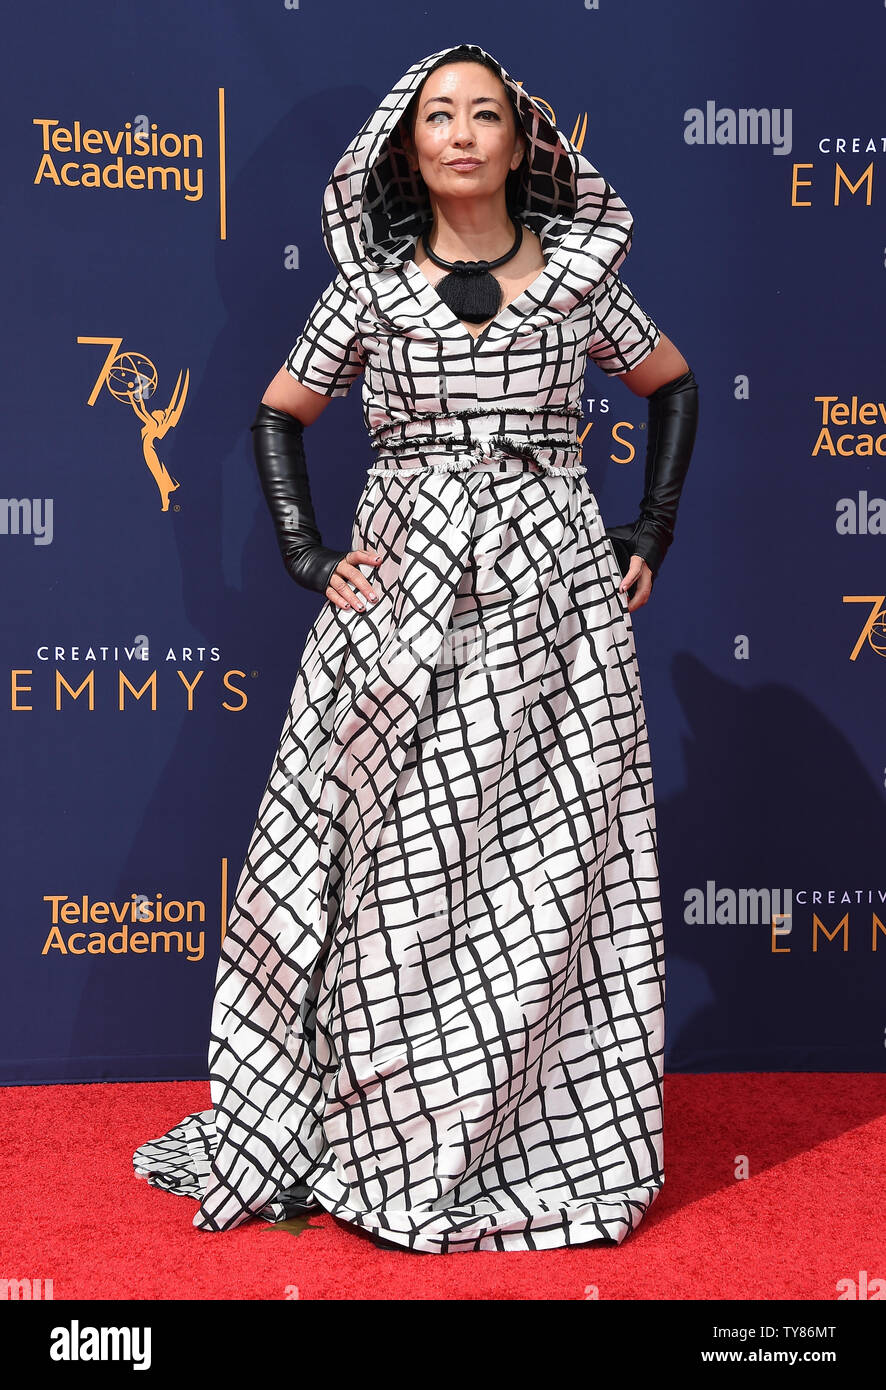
(750, 149)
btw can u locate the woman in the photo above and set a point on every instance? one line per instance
(439, 1003)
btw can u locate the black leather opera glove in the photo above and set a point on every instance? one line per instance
(280, 458)
(673, 418)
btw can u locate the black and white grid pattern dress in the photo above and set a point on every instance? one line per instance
(439, 1003)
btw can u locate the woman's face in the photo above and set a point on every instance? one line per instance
(463, 114)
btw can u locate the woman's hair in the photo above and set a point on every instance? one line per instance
(464, 53)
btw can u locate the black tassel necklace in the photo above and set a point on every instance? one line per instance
(470, 291)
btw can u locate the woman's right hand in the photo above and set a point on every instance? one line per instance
(346, 583)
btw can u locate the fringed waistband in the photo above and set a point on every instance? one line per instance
(453, 443)
(501, 460)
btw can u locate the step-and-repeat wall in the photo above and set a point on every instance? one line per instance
(164, 173)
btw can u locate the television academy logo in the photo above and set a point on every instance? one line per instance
(119, 160)
(177, 936)
(140, 924)
(865, 440)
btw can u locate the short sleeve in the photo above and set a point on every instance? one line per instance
(327, 356)
(623, 334)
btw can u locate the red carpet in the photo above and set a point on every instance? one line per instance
(809, 1214)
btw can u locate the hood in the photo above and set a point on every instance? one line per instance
(374, 205)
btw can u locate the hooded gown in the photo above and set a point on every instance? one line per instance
(438, 1010)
